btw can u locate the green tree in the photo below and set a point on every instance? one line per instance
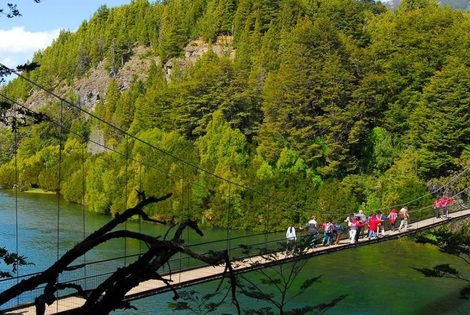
(224, 153)
(440, 122)
(204, 91)
(381, 150)
(401, 183)
(172, 36)
(305, 102)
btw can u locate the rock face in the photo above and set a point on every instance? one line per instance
(92, 88)
(196, 48)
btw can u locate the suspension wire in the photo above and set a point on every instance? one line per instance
(140, 218)
(83, 151)
(179, 159)
(229, 218)
(58, 177)
(15, 186)
(266, 220)
(183, 215)
(272, 198)
(59, 188)
(127, 196)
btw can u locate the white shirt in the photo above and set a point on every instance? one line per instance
(290, 233)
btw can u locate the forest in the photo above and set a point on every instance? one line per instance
(297, 107)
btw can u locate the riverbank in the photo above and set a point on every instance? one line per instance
(32, 191)
(39, 191)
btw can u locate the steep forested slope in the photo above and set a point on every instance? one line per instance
(328, 105)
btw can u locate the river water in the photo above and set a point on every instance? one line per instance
(377, 279)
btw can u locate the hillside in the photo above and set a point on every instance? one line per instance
(277, 98)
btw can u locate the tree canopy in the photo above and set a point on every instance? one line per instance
(283, 101)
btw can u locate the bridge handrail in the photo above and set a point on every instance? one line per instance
(178, 264)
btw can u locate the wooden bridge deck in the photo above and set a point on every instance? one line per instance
(208, 273)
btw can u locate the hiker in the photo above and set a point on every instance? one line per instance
(445, 202)
(361, 229)
(328, 233)
(356, 223)
(381, 226)
(290, 234)
(392, 218)
(437, 208)
(339, 230)
(373, 226)
(312, 231)
(404, 216)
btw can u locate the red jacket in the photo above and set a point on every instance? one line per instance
(392, 216)
(356, 223)
(446, 201)
(373, 223)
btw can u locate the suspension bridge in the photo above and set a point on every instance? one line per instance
(144, 167)
(190, 274)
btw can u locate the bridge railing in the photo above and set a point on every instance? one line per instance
(90, 274)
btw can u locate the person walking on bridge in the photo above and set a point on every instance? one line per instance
(290, 233)
(445, 203)
(373, 226)
(392, 218)
(354, 229)
(404, 216)
(437, 207)
(312, 230)
(381, 226)
(328, 233)
(339, 230)
(291, 237)
(361, 229)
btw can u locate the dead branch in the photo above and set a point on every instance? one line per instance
(110, 294)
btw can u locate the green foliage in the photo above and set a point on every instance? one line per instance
(11, 259)
(154, 171)
(441, 120)
(381, 150)
(402, 182)
(292, 100)
(223, 152)
(7, 140)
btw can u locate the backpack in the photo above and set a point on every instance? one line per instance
(329, 228)
(312, 228)
(338, 227)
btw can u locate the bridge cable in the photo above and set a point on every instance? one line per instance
(83, 200)
(16, 187)
(156, 148)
